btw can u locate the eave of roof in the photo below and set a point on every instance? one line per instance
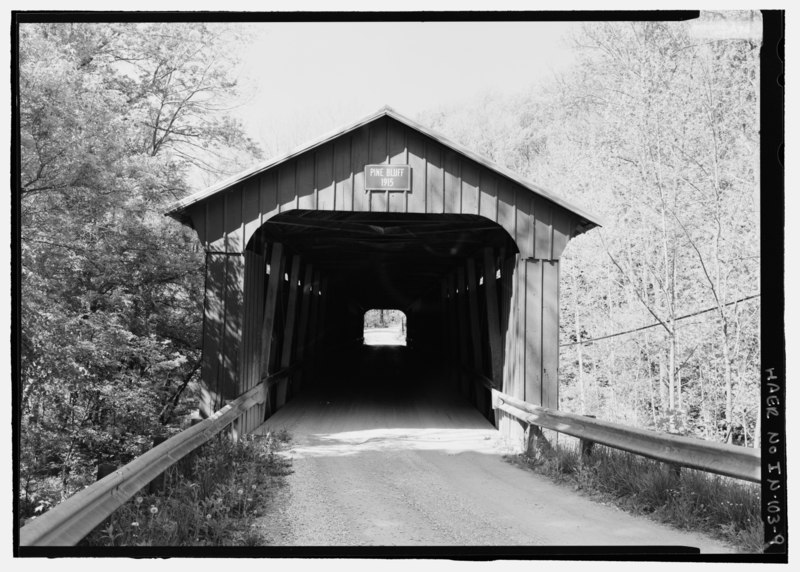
(178, 209)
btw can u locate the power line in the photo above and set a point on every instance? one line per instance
(657, 323)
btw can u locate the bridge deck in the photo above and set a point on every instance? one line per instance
(393, 460)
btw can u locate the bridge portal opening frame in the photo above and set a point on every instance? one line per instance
(271, 237)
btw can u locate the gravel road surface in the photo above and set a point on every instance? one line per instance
(388, 461)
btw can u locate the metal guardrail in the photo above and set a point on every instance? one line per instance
(67, 523)
(722, 459)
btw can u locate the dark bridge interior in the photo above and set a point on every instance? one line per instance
(387, 260)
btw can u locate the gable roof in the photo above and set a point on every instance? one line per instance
(178, 209)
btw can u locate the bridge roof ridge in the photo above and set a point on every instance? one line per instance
(177, 209)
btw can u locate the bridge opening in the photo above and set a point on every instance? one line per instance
(384, 327)
(398, 263)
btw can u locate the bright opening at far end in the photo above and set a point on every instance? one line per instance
(383, 327)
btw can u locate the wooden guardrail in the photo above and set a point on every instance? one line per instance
(67, 523)
(722, 459)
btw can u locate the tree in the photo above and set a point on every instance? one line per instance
(114, 121)
(656, 131)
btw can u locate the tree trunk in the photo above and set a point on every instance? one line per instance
(579, 347)
(728, 376)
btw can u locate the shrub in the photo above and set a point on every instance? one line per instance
(720, 506)
(214, 503)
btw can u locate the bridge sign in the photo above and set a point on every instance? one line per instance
(387, 177)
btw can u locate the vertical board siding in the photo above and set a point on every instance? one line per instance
(251, 210)
(520, 313)
(396, 143)
(378, 155)
(506, 213)
(343, 194)
(304, 181)
(197, 214)
(234, 222)
(416, 160)
(487, 205)
(287, 190)
(474, 316)
(253, 301)
(477, 335)
(331, 177)
(434, 200)
(260, 282)
(268, 318)
(305, 303)
(324, 180)
(493, 316)
(522, 325)
(525, 224)
(289, 328)
(232, 340)
(550, 334)
(510, 320)
(543, 247)
(452, 182)
(215, 224)
(533, 332)
(562, 231)
(360, 154)
(268, 190)
(398, 155)
(378, 142)
(378, 201)
(397, 201)
(213, 324)
(470, 192)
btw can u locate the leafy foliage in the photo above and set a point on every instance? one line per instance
(722, 507)
(656, 131)
(115, 121)
(213, 504)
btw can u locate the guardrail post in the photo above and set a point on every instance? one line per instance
(535, 441)
(586, 444)
(186, 464)
(157, 483)
(105, 469)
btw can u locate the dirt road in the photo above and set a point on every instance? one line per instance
(391, 464)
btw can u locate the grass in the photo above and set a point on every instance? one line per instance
(213, 502)
(727, 509)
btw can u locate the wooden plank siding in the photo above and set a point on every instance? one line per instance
(253, 309)
(549, 334)
(492, 316)
(532, 375)
(254, 323)
(331, 177)
(289, 329)
(397, 151)
(213, 324)
(269, 316)
(305, 311)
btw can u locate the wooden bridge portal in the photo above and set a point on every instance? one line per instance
(298, 249)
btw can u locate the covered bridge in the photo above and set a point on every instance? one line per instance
(383, 213)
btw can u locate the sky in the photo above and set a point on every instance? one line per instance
(305, 79)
